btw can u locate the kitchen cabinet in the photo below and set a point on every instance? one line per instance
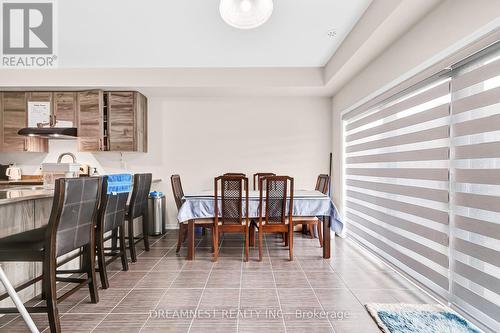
(65, 105)
(90, 120)
(126, 121)
(13, 117)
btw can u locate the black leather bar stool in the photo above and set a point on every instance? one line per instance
(110, 218)
(138, 207)
(71, 226)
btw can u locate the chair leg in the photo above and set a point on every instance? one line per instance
(320, 233)
(145, 231)
(101, 260)
(290, 243)
(216, 245)
(285, 238)
(49, 289)
(123, 248)
(114, 240)
(261, 232)
(311, 230)
(247, 240)
(89, 266)
(131, 243)
(180, 239)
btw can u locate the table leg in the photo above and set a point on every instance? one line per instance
(251, 230)
(326, 237)
(190, 254)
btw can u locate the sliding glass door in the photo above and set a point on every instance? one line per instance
(422, 183)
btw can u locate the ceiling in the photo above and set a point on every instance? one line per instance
(190, 33)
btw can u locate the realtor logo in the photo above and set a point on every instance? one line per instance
(28, 34)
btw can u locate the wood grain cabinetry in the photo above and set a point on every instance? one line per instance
(126, 121)
(65, 105)
(105, 121)
(14, 118)
(90, 120)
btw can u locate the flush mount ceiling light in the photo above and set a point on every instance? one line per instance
(246, 14)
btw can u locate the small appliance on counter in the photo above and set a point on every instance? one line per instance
(3, 171)
(13, 172)
(53, 171)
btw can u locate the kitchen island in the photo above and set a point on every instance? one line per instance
(23, 208)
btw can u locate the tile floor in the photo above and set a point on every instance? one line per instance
(162, 291)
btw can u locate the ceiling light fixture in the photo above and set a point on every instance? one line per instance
(246, 14)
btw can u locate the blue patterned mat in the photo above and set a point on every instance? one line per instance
(418, 318)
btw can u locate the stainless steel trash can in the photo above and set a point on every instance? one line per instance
(156, 213)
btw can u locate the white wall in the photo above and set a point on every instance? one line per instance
(200, 138)
(451, 25)
(203, 138)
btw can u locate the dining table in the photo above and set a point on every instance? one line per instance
(201, 205)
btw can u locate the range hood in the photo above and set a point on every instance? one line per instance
(61, 133)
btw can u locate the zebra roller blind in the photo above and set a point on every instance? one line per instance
(475, 220)
(397, 180)
(422, 180)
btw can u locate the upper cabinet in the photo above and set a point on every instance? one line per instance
(90, 120)
(13, 117)
(64, 113)
(105, 121)
(125, 121)
(112, 121)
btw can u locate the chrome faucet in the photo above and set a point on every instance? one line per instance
(59, 159)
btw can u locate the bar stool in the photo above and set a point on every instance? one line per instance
(71, 226)
(138, 207)
(110, 218)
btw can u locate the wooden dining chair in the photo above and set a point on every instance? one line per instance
(231, 204)
(275, 215)
(312, 222)
(257, 177)
(179, 201)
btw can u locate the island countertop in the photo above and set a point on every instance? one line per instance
(22, 193)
